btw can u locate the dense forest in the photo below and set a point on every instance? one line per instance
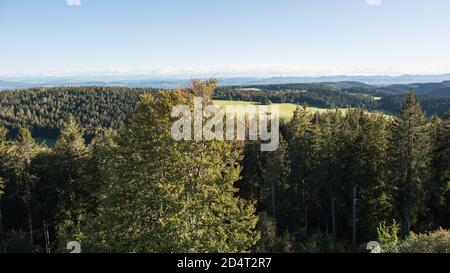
(336, 182)
(434, 98)
(43, 110)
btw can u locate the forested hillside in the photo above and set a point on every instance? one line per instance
(43, 110)
(336, 182)
(434, 97)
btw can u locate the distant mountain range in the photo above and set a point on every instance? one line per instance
(435, 83)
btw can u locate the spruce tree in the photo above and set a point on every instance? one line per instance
(21, 179)
(363, 160)
(409, 161)
(300, 201)
(4, 144)
(276, 177)
(162, 195)
(328, 146)
(438, 187)
(76, 189)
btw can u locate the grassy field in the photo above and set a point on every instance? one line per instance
(286, 109)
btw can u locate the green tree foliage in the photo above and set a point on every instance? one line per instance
(332, 174)
(336, 178)
(438, 198)
(388, 236)
(270, 241)
(161, 195)
(409, 164)
(44, 110)
(276, 176)
(437, 241)
(4, 143)
(433, 242)
(77, 189)
(52, 187)
(301, 194)
(312, 94)
(364, 152)
(21, 180)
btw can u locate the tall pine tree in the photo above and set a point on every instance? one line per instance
(76, 189)
(409, 162)
(438, 198)
(162, 195)
(21, 179)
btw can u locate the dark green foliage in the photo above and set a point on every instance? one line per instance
(336, 177)
(409, 162)
(438, 197)
(47, 191)
(44, 110)
(162, 195)
(348, 173)
(431, 104)
(270, 241)
(316, 96)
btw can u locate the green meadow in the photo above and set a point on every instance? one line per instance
(286, 109)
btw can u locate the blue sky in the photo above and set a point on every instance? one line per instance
(224, 37)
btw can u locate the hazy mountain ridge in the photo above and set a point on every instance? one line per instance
(224, 80)
(438, 85)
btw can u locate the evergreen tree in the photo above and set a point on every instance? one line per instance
(438, 198)
(76, 189)
(366, 193)
(276, 175)
(409, 161)
(328, 147)
(300, 198)
(21, 180)
(4, 144)
(252, 183)
(162, 195)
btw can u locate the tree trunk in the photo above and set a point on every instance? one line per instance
(407, 229)
(409, 181)
(305, 205)
(2, 243)
(46, 237)
(408, 200)
(306, 220)
(333, 218)
(274, 208)
(354, 218)
(30, 225)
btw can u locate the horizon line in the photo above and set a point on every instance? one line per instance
(155, 76)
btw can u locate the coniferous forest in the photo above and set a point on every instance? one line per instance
(116, 181)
